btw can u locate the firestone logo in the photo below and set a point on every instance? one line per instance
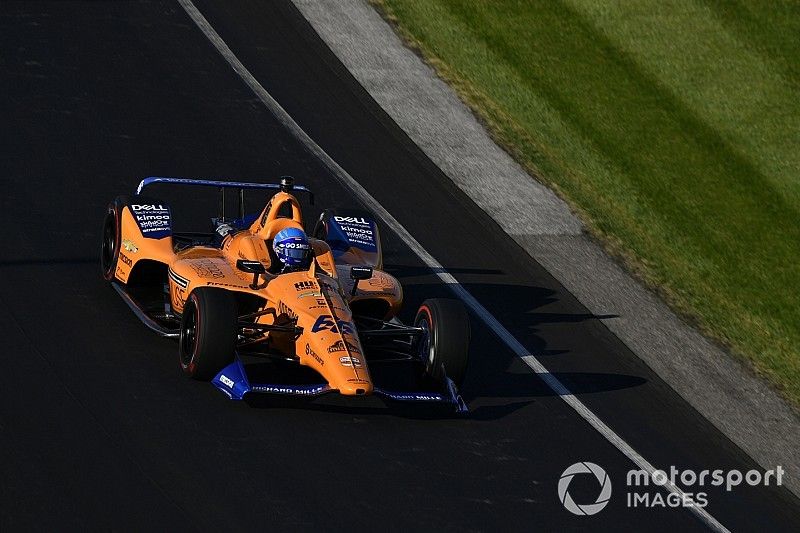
(586, 509)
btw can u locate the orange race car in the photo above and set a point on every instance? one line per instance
(256, 296)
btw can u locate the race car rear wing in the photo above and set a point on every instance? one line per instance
(286, 184)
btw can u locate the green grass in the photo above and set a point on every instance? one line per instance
(673, 128)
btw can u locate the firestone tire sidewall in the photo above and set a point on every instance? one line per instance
(208, 333)
(448, 338)
(108, 261)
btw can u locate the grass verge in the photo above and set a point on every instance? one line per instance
(673, 128)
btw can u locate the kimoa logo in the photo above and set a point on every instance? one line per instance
(587, 509)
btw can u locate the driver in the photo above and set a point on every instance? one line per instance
(292, 248)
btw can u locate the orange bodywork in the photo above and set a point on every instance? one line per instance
(318, 299)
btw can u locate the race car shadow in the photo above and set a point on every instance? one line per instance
(550, 318)
(521, 389)
(407, 271)
(524, 388)
(582, 357)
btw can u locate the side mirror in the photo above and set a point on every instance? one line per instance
(252, 267)
(360, 272)
(357, 273)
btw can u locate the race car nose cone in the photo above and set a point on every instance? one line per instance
(356, 387)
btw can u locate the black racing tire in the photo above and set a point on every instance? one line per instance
(445, 348)
(111, 238)
(208, 333)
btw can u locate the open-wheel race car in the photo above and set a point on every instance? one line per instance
(245, 293)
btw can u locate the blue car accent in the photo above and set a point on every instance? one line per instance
(154, 219)
(232, 380)
(213, 183)
(345, 232)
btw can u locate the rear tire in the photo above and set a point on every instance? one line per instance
(208, 333)
(111, 239)
(445, 349)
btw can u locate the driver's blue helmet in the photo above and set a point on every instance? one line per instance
(292, 248)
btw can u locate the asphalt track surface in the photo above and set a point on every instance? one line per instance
(98, 428)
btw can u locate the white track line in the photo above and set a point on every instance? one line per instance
(481, 312)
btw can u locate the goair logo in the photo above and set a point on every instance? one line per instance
(325, 322)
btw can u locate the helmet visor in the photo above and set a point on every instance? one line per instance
(295, 253)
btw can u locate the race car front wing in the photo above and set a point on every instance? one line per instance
(233, 382)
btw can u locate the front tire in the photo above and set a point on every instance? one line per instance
(445, 348)
(208, 333)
